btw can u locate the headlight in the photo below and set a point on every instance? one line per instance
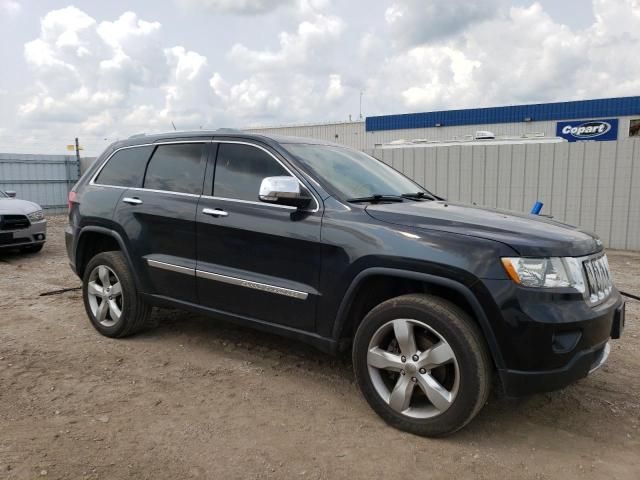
(36, 216)
(545, 272)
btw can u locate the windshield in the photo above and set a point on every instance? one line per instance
(351, 173)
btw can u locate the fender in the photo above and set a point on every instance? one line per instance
(425, 277)
(118, 238)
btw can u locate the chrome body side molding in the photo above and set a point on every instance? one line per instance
(287, 292)
(241, 282)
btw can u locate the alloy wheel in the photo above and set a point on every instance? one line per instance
(413, 368)
(104, 292)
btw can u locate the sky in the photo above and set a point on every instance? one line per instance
(102, 71)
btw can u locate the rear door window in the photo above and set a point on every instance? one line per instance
(177, 168)
(240, 170)
(125, 168)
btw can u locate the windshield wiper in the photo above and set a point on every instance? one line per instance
(376, 198)
(418, 196)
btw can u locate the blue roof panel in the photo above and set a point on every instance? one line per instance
(604, 107)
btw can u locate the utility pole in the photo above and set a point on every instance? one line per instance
(361, 93)
(78, 155)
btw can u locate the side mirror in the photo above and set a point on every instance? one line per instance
(10, 193)
(283, 191)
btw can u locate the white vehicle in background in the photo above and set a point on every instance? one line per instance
(22, 224)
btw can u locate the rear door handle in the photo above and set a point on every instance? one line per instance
(215, 212)
(132, 200)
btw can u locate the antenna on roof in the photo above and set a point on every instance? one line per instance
(174, 125)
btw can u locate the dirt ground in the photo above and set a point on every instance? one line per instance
(196, 398)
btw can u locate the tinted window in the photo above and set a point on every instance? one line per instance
(241, 168)
(176, 168)
(125, 168)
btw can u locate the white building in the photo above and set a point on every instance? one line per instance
(538, 120)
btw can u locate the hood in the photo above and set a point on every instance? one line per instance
(529, 235)
(14, 206)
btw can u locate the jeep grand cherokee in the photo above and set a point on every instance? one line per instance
(332, 247)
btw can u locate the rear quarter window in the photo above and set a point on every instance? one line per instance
(125, 168)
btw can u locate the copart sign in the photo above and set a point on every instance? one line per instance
(588, 130)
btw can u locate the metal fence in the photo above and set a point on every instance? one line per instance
(595, 185)
(44, 179)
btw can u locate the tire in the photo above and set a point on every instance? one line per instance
(460, 365)
(32, 248)
(134, 313)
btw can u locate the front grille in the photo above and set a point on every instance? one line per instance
(599, 283)
(13, 222)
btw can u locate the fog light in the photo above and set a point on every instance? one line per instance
(564, 342)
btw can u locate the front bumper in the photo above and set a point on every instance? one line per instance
(34, 234)
(518, 383)
(548, 340)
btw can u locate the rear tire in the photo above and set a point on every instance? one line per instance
(110, 297)
(422, 364)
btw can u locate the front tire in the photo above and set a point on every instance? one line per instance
(422, 364)
(110, 297)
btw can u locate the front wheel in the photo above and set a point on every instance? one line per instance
(110, 297)
(422, 364)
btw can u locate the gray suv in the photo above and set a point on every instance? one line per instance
(22, 224)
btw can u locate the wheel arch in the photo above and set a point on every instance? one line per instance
(344, 320)
(82, 251)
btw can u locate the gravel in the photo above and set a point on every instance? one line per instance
(197, 398)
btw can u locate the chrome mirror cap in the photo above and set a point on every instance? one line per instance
(284, 190)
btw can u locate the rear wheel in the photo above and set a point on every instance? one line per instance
(422, 364)
(110, 297)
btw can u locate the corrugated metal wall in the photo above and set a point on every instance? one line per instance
(592, 184)
(44, 179)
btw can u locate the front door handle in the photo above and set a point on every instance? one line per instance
(132, 200)
(215, 212)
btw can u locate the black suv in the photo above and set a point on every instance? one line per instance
(332, 247)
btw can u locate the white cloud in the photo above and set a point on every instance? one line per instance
(616, 17)
(238, 7)
(519, 55)
(302, 48)
(10, 7)
(82, 67)
(118, 76)
(188, 101)
(113, 77)
(414, 22)
(335, 90)
(254, 7)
